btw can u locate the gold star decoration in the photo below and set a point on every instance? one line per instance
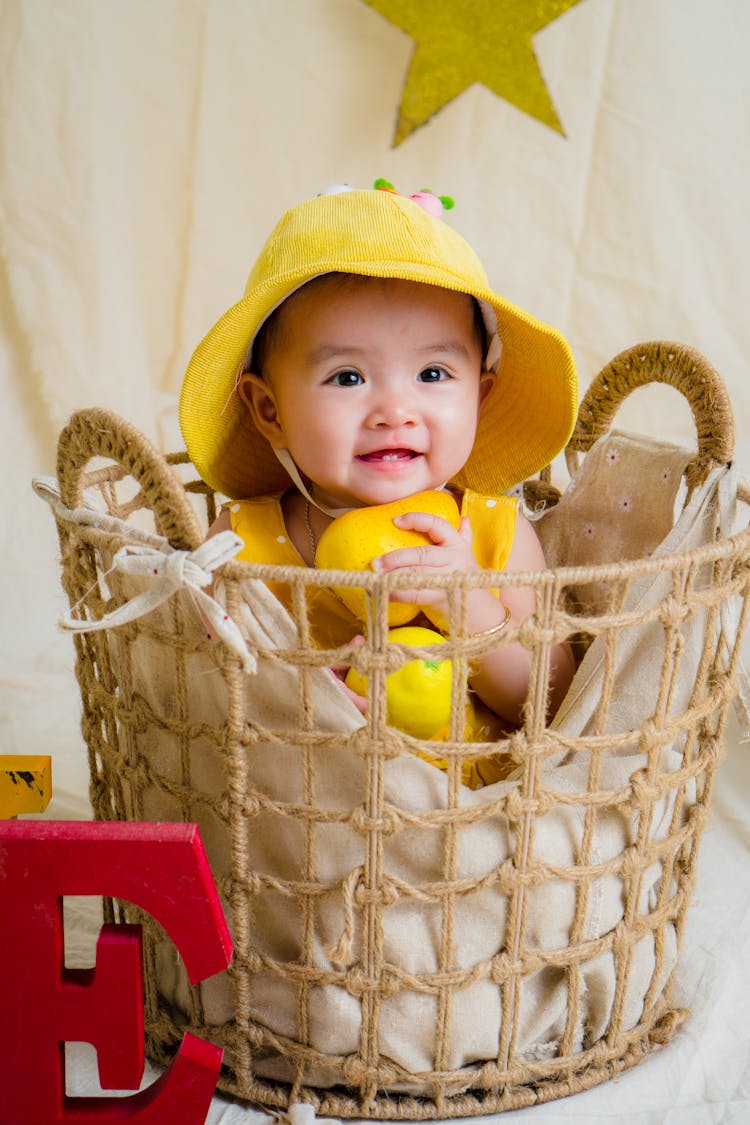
(456, 44)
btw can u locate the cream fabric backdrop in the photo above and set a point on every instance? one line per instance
(147, 148)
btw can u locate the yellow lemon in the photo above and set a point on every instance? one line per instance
(353, 540)
(418, 694)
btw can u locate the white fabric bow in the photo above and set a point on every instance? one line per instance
(170, 571)
(155, 559)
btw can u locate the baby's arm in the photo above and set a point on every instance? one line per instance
(502, 676)
(223, 522)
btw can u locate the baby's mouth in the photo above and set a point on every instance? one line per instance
(378, 455)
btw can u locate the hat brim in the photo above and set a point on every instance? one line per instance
(525, 421)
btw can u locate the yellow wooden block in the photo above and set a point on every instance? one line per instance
(25, 784)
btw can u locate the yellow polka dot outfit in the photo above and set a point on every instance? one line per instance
(260, 523)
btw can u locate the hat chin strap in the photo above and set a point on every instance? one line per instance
(290, 465)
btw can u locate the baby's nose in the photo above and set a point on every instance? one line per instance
(393, 410)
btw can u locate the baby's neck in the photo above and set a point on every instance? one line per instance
(305, 523)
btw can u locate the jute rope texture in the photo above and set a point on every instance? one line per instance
(121, 725)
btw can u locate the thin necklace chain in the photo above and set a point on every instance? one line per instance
(310, 532)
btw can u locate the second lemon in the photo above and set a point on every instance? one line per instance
(418, 694)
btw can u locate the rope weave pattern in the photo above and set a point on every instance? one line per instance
(122, 723)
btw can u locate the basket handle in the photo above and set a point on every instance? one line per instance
(680, 367)
(101, 433)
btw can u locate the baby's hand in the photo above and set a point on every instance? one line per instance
(450, 550)
(359, 701)
(338, 671)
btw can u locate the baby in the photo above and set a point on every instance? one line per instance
(369, 360)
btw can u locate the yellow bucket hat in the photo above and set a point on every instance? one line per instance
(527, 417)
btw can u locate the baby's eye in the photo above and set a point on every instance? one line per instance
(433, 375)
(346, 379)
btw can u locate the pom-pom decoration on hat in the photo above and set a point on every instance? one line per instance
(433, 204)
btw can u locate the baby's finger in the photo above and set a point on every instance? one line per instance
(411, 558)
(341, 669)
(359, 701)
(465, 530)
(438, 529)
(413, 597)
(337, 673)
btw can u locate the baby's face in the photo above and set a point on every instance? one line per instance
(373, 386)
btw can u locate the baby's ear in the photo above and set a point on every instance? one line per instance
(259, 399)
(486, 383)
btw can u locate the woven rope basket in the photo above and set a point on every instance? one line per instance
(405, 947)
